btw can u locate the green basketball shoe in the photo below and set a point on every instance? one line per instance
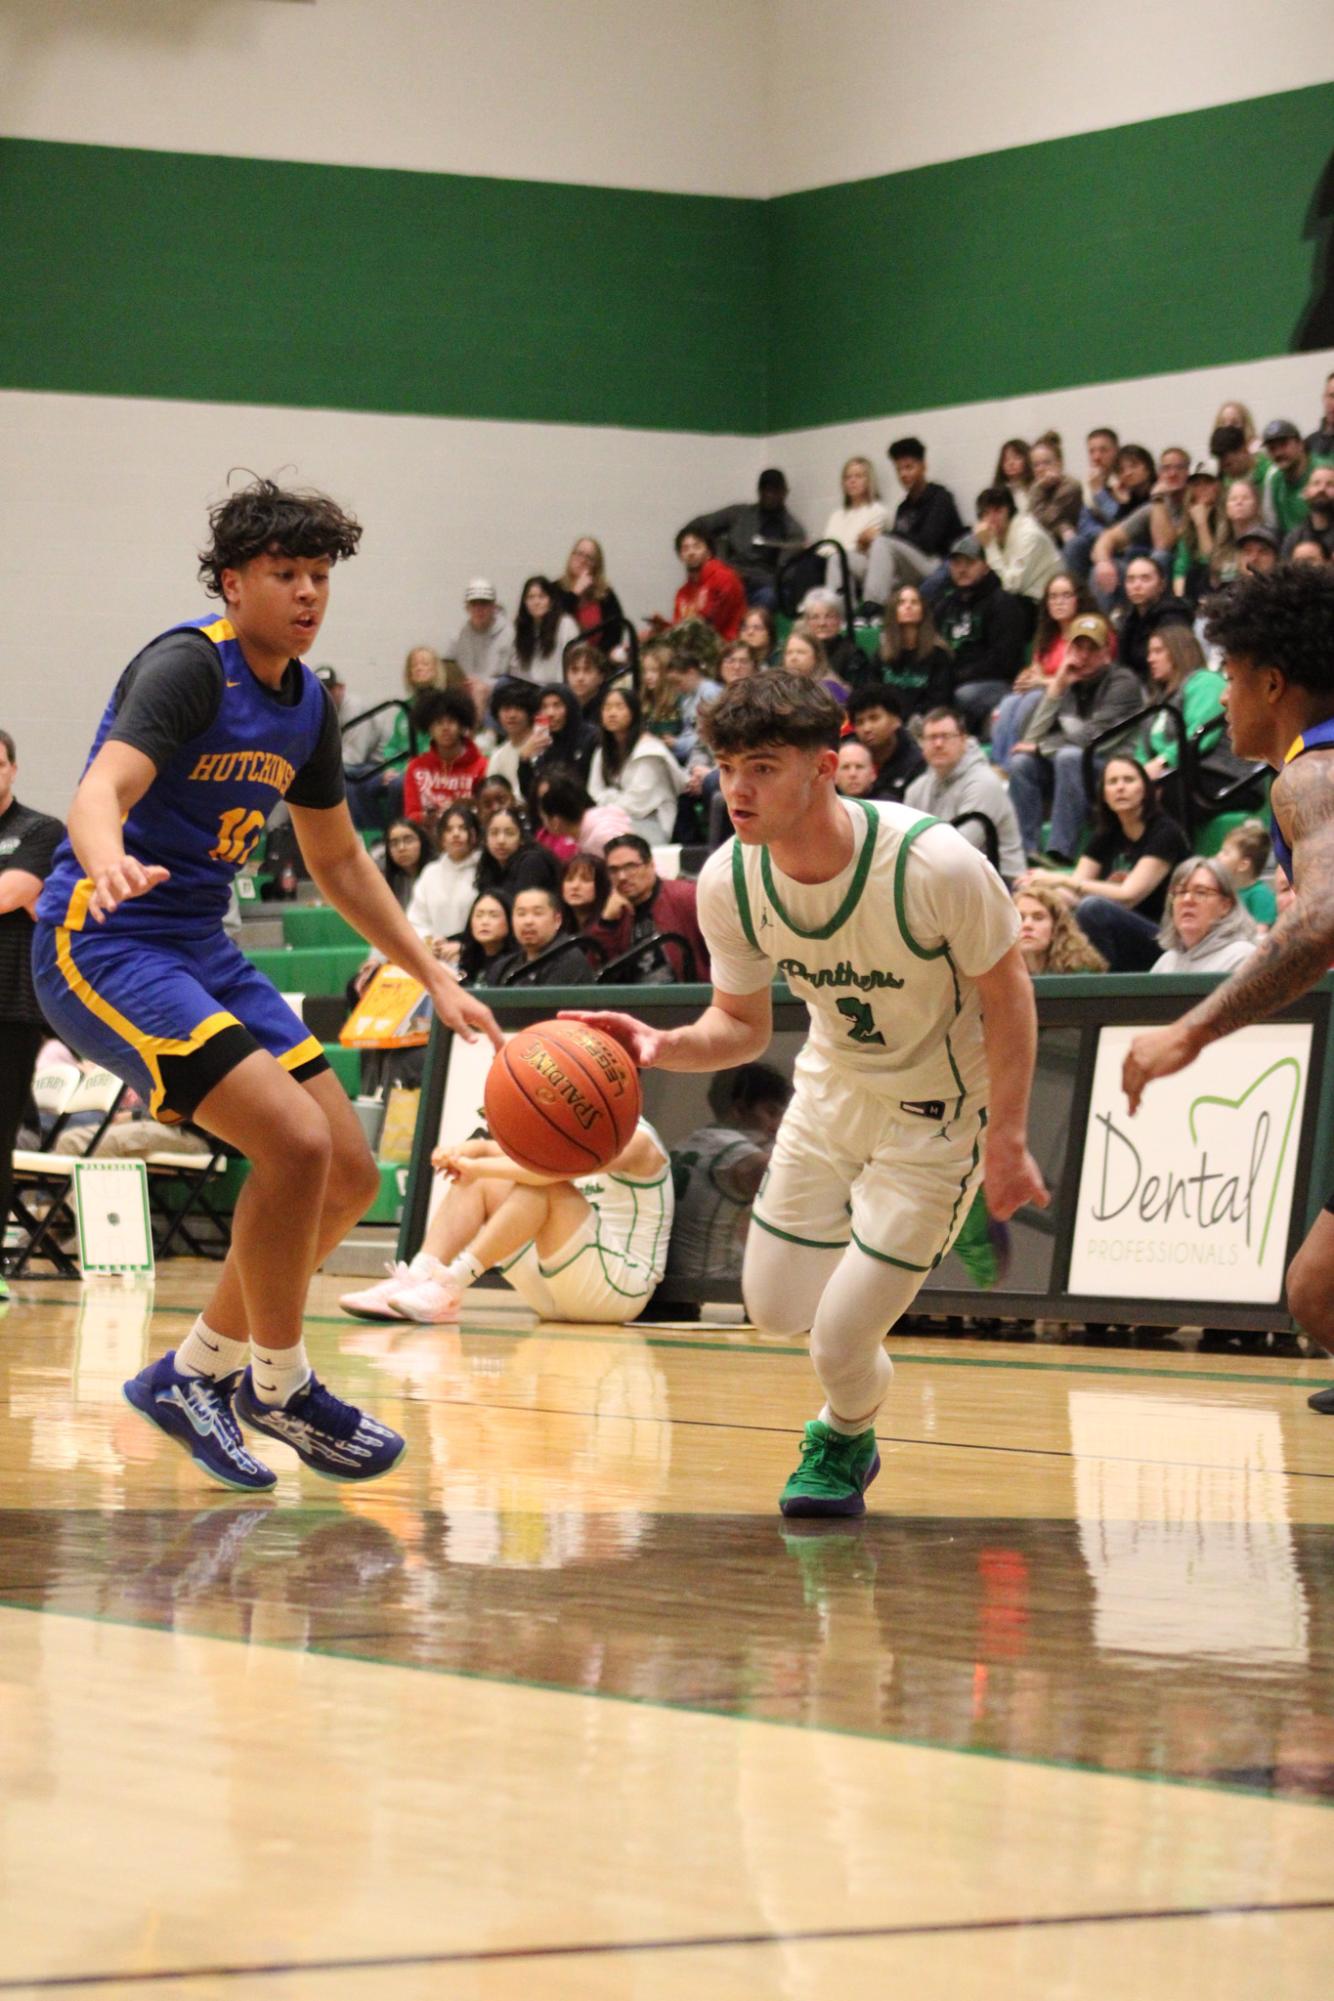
(833, 1475)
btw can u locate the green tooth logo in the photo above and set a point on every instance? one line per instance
(1261, 1135)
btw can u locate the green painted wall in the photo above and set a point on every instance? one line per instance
(1176, 243)
(134, 273)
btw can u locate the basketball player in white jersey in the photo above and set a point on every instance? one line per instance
(913, 1088)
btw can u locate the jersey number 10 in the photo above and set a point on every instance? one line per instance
(238, 831)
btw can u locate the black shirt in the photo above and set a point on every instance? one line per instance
(904, 763)
(28, 841)
(1116, 856)
(563, 964)
(929, 520)
(172, 691)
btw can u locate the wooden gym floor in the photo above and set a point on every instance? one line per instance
(561, 1709)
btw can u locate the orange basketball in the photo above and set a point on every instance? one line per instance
(562, 1098)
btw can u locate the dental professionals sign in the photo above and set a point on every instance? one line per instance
(1192, 1198)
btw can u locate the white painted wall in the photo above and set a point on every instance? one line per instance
(865, 87)
(102, 508)
(620, 93)
(963, 440)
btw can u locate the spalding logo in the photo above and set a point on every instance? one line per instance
(559, 1086)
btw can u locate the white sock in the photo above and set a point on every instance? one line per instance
(844, 1427)
(424, 1266)
(278, 1373)
(205, 1352)
(464, 1269)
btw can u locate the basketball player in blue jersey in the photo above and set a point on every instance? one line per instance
(208, 727)
(1277, 636)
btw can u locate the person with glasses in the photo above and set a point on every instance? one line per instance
(1206, 929)
(642, 903)
(959, 783)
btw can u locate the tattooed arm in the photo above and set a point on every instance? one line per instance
(1286, 964)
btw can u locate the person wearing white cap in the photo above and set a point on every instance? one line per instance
(486, 637)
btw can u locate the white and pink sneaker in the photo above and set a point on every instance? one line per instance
(377, 1301)
(431, 1296)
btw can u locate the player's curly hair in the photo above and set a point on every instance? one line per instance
(265, 518)
(771, 708)
(1284, 620)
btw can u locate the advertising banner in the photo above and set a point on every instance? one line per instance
(1192, 1198)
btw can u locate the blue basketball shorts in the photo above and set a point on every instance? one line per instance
(172, 1019)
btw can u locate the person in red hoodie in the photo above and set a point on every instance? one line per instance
(453, 767)
(711, 590)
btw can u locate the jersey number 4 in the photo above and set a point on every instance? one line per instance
(861, 1022)
(238, 831)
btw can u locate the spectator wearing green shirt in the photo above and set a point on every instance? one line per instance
(1245, 856)
(1183, 684)
(1283, 494)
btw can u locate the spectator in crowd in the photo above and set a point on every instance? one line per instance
(822, 616)
(408, 846)
(1241, 505)
(586, 596)
(1320, 444)
(563, 802)
(855, 524)
(1181, 682)
(876, 715)
(717, 1173)
(1319, 522)
(1014, 471)
(659, 694)
(1086, 696)
(1169, 497)
(925, 527)
(376, 797)
(1055, 501)
(1154, 523)
(1283, 504)
(738, 663)
(1308, 549)
(692, 686)
(1050, 939)
(754, 536)
(856, 773)
(1121, 877)
(760, 634)
(1102, 497)
(1112, 488)
(1257, 550)
(913, 659)
(642, 904)
(486, 938)
(1206, 928)
(986, 630)
(1204, 531)
(1236, 460)
(28, 843)
(1150, 607)
(1021, 553)
(453, 767)
(543, 953)
(586, 669)
(561, 739)
(633, 769)
(803, 654)
(584, 889)
(1245, 855)
(443, 892)
(511, 859)
(486, 637)
(959, 784)
(1237, 417)
(711, 590)
(1063, 601)
(542, 631)
(494, 792)
(514, 706)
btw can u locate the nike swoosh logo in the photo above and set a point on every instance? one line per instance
(210, 1344)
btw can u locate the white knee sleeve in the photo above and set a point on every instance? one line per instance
(861, 1302)
(782, 1283)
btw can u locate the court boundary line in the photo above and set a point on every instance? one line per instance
(331, 1651)
(722, 1941)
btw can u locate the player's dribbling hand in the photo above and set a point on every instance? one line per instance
(466, 1015)
(1158, 1052)
(1012, 1178)
(643, 1043)
(120, 883)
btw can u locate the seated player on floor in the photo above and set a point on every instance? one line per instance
(594, 1248)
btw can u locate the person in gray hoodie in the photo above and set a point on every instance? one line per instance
(486, 637)
(958, 780)
(1206, 928)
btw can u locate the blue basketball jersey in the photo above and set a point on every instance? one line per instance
(1320, 737)
(206, 808)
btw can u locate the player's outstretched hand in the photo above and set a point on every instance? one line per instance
(123, 881)
(1158, 1052)
(465, 1014)
(643, 1043)
(1012, 1178)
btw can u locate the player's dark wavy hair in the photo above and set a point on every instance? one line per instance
(1284, 620)
(772, 708)
(265, 518)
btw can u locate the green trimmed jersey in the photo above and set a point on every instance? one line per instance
(886, 956)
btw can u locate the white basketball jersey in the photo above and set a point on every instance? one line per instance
(634, 1218)
(885, 955)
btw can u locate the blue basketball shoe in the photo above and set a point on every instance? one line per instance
(333, 1438)
(197, 1412)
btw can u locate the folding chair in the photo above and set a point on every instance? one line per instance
(187, 1176)
(40, 1174)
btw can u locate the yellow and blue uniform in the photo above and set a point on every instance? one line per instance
(1319, 737)
(158, 993)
